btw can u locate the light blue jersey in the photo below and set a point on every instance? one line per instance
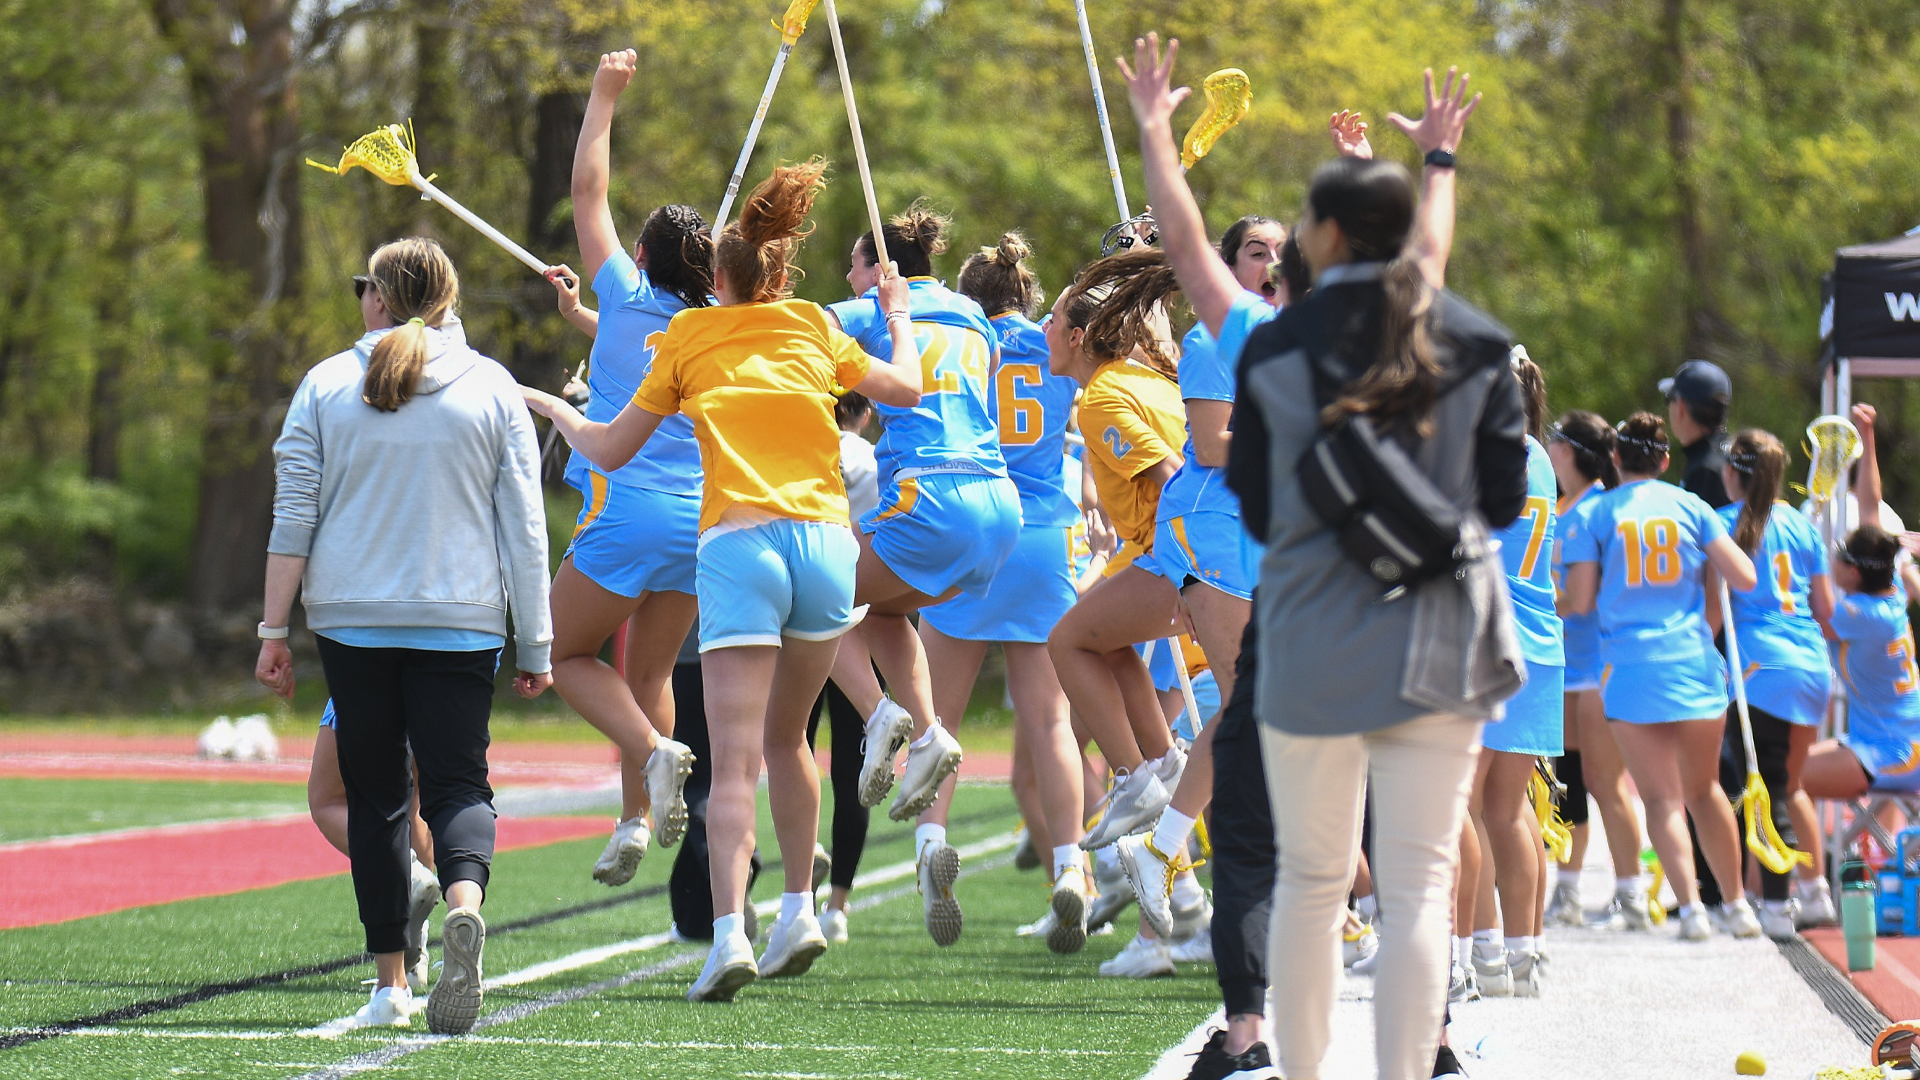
(1031, 406)
(952, 429)
(1247, 313)
(1527, 548)
(1877, 661)
(633, 315)
(1775, 618)
(1649, 538)
(1580, 633)
(1197, 488)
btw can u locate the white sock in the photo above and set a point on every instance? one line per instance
(1569, 879)
(792, 904)
(1368, 906)
(1065, 857)
(1522, 945)
(1462, 949)
(1627, 884)
(927, 834)
(727, 926)
(1486, 943)
(1688, 909)
(1170, 836)
(1187, 892)
(924, 740)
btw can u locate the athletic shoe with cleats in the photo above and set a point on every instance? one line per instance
(1169, 766)
(1461, 987)
(1068, 933)
(1816, 903)
(822, 867)
(1114, 893)
(1696, 925)
(390, 1006)
(1627, 911)
(939, 868)
(928, 766)
(667, 772)
(1739, 920)
(1779, 919)
(1025, 856)
(1214, 1063)
(455, 1002)
(792, 947)
(729, 967)
(623, 852)
(833, 926)
(1040, 927)
(1358, 945)
(887, 731)
(1194, 949)
(1143, 958)
(1564, 909)
(1525, 970)
(1132, 805)
(1492, 976)
(1151, 878)
(425, 894)
(1188, 921)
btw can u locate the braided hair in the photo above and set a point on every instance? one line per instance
(679, 249)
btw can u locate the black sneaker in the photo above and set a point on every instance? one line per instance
(1214, 1063)
(1446, 1066)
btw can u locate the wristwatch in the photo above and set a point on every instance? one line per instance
(1440, 159)
(272, 633)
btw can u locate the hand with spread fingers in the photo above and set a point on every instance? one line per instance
(1446, 116)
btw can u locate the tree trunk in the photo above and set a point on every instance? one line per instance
(434, 90)
(557, 119)
(115, 312)
(238, 57)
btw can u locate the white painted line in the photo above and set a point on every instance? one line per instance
(142, 832)
(1177, 1062)
(379, 1034)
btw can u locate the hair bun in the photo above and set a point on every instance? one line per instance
(924, 226)
(1012, 250)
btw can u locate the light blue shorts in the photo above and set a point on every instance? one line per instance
(1796, 695)
(1663, 691)
(1583, 658)
(1160, 665)
(328, 718)
(1208, 547)
(1893, 763)
(941, 530)
(783, 578)
(1206, 695)
(631, 540)
(1033, 589)
(1536, 717)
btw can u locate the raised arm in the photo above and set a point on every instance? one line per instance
(1440, 128)
(1866, 489)
(608, 445)
(1206, 281)
(593, 164)
(566, 284)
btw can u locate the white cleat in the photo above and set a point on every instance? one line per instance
(833, 926)
(928, 766)
(1627, 911)
(1525, 971)
(1068, 931)
(1040, 927)
(1133, 805)
(425, 889)
(1780, 919)
(455, 1002)
(822, 867)
(390, 1006)
(1492, 977)
(1169, 767)
(624, 850)
(1461, 987)
(792, 947)
(667, 772)
(887, 731)
(1816, 903)
(729, 967)
(1695, 925)
(1358, 946)
(1197, 949)
(1739, 919)
(1114, 893)
(1189, 921)
(1143, 958)
(1151, 878)
(1565, 909)
(938, 869)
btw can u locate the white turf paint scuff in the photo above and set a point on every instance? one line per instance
(1615, 1005)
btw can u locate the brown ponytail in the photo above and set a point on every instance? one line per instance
(1761, 460)
(419, 286)
(756, 250)
(913, 239)
(1533, 392)
(1592, 442)
(997, 277)
(1642, 444)
(1114, 300)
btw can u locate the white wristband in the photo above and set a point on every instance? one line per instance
(892, 315)
(272, 633)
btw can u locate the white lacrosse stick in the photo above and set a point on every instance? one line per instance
(1833, 445)
(1100, 107)
(791, 28)
(859, 143)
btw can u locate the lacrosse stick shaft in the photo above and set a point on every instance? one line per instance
(1186, 684)
(753, 133)
(1100, 107)
(859, 142)
(426, 188)
(1739, 675)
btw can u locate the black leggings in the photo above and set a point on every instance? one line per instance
(439, 703)
(848, 728)
(1771, 736)
(1244, 856)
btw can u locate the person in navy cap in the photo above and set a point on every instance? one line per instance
(1697, 397)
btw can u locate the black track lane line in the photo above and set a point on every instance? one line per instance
(209, 991)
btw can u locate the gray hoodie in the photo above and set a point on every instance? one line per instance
(429, 516)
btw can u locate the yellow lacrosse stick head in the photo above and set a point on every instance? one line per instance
(795, 22)
(1833, 444)
(386, 152)
(1554, 832)
(1763, 839)
(1229, 98)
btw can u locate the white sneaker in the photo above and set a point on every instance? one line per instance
(729, 967)
(1461, 987)
(1526, 970)
(667, 772)
(1170, 766)
(1627, 911)
(1565, 909)
(425, 894)
(1189, 921)
(938, 868)
(390, 1006)
(1739, 919)
(1113, 897)
(833, 926)
(455, 1002)
(1040, 927)
(1492, 976)
(1151, 878)
(822, 866)
(624, 850)
(1695, 925)
(1133, 804)
(1779, 919)
(928, 766)
(887, 731)
(1358, 945)
(1195, 949)
(1068, 931)
(1143, 958)
(1816, 902)
(792, 947)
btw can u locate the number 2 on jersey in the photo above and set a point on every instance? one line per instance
(1021, 418)
(1653, 551)
(950, 354)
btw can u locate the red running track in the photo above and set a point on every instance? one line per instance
(50, 881)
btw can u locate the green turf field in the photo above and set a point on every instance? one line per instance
(33, 808)
(888, 1004)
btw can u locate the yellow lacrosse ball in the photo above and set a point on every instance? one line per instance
(1750, 1063)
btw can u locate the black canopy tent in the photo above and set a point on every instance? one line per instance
(1870, 323)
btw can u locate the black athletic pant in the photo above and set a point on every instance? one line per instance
(848, 729)
(1770, 739)
(439, 703)
(690, 886)
(1245, 859)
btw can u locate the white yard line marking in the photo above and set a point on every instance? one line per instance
(1178, 1060)
(143, 832)
(587, 1044)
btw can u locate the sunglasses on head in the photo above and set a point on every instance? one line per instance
(361, 283)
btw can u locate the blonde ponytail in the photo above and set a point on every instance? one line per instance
(418, 284)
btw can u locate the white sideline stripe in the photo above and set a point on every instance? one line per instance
(1177, 1062)
(181, 828)
(585, 1044)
